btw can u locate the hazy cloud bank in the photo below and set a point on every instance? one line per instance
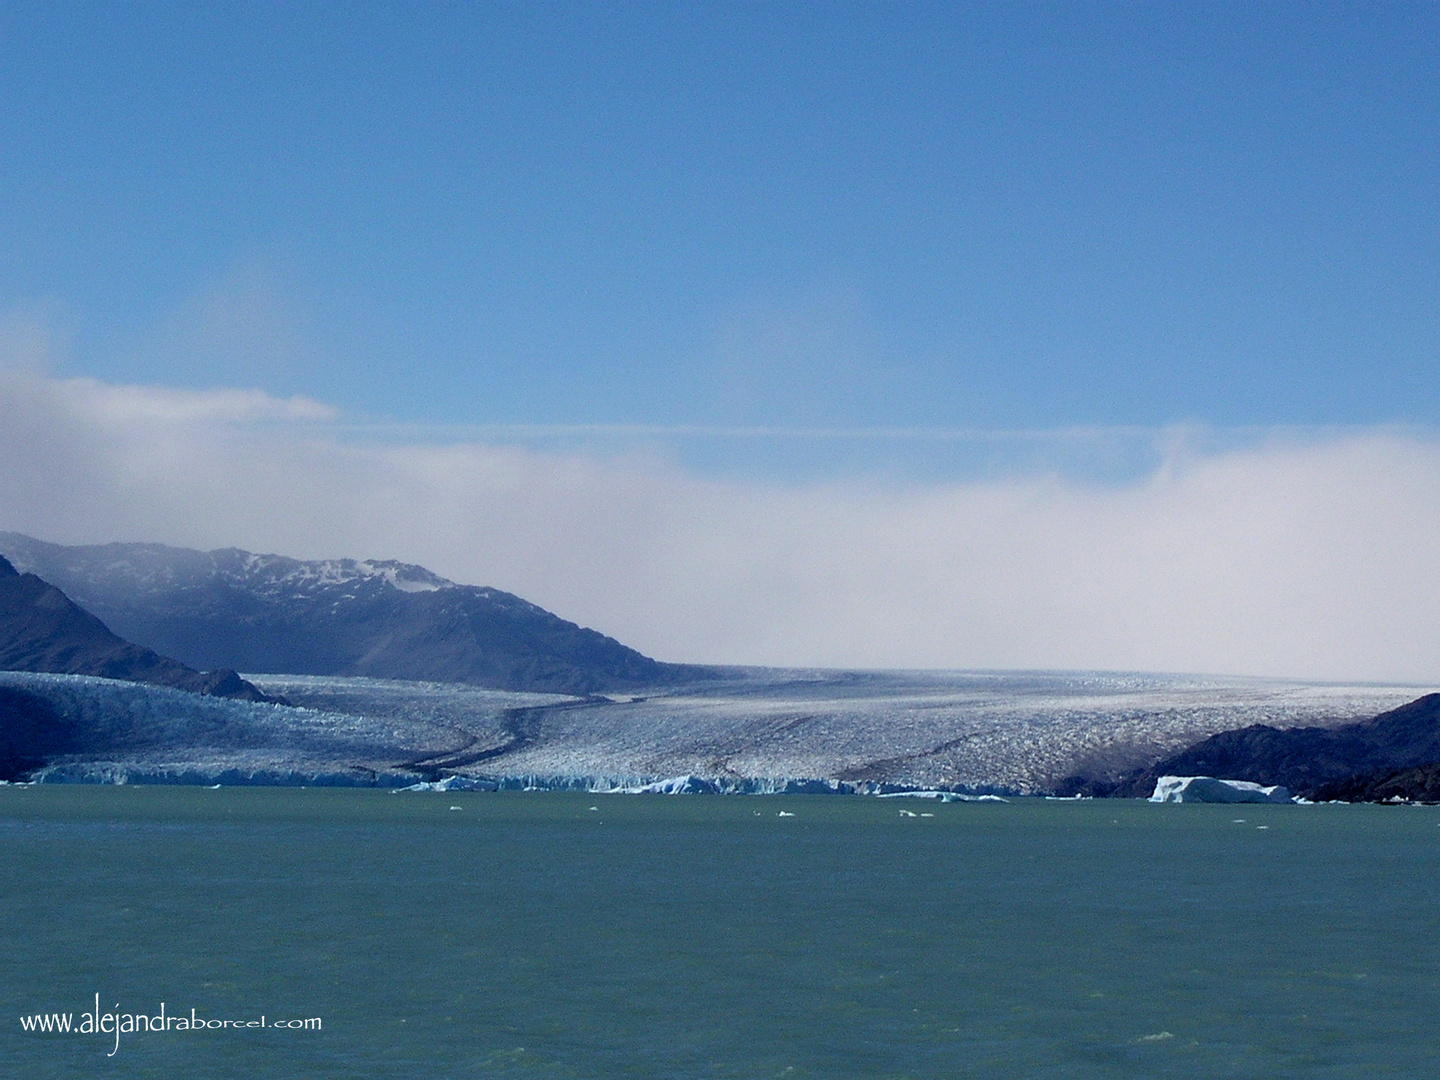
(1304, 558)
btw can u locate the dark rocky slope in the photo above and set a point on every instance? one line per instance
(43, 630)
(1393, 754)
(230, 608)
(1420, 784)
(31, 731)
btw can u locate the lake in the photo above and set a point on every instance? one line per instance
(562, 934)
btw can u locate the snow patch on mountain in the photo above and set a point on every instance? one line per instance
(279, 575)
(152, 568)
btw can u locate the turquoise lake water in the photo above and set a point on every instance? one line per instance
(526, 935)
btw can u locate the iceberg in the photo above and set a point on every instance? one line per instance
(1207, 789)
(676, 785)
(452, 783)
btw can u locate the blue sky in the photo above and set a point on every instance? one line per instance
(991, 217)
(944, 335)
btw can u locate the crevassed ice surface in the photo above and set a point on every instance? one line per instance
(1017, 731)
(156, 733)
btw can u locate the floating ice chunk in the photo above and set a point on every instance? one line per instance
(913, 794)
(943, 796)
(676, 785)
(452, 783)
(1207, 789)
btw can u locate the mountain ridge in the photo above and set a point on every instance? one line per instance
(377, 617)
(43, 630)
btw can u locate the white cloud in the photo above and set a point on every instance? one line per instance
(1306, 558)
(105, 403)
(31, 333)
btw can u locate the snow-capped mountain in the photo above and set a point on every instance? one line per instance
(231, 608)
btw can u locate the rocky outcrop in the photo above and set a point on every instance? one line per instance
(1397, 750)
(1420, 784)
(31, 732)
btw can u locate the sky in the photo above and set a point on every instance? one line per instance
(1012, 335)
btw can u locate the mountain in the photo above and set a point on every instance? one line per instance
(231, 608)
(42, 629)
(1391, 754)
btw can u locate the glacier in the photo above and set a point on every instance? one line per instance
(763, 731)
